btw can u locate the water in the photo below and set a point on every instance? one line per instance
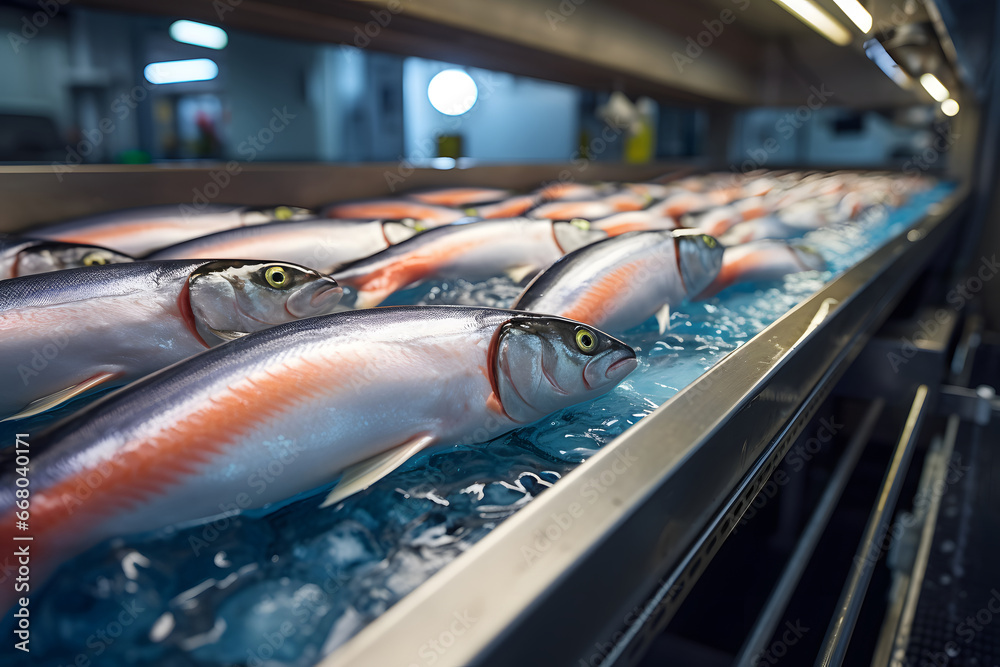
(287, 585)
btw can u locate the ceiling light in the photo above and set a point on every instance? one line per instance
(949, 107)
(933, 86)
(858, 14)
(878, 55)
(452, 92)
(199, 34)
(180, 71)
(818, 19)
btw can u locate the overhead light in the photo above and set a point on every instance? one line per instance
(949, 107)
(858, 14)
(818, 19)
(180, 71)
(199, 34)
(878, 55)
(933, 86)
(452, 92)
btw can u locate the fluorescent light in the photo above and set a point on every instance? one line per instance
(878, 55)
(179, 71)
(949, 107)
(816, 18)
(934, 87)
(858, 14)
(199, 34)
(452, 92)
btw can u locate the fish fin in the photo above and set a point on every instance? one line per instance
(360, 476)
(519, 273)
(56, 399)
(225, 334)
(663, 318)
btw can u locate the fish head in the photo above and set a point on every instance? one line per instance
(700, 259)
(542, 364)
(808, 256)
(55, 256)
(397, 231)
(575, 234)
(233, 297)
(259, 216)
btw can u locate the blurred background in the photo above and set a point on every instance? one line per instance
(710, 81)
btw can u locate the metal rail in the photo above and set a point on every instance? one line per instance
(838, 635)
(770, 615)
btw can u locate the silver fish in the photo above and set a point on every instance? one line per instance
(65, 333)
(621, 282)
(21, 256)
(139, 231)
(353, 394)
(474, 251)
(768, 259)
(320, 243)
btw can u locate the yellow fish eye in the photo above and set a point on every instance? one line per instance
(277, 277)
(580, 223)
(709, 240)
(283, 213)
(94, 259)
(586, 340)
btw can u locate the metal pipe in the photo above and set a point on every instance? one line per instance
(770, 615)
(838, 635)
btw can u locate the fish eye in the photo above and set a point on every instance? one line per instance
(709, 240)
(277, 277)
(283, 213)
(586, 340)
(580, 223)
(94, 259)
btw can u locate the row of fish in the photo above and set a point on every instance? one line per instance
(353, 393)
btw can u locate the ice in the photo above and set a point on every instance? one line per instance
(219, 594)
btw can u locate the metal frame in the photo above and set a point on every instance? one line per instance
(565, 571)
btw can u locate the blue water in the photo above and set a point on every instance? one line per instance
(287, 585)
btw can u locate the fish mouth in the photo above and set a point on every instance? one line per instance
(622, 367)
(324, 294)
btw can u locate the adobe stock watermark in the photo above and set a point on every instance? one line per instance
(591, 491)
(961, 294)
(249, 148)
(565, 9)
(785, 127)
(967, 630)
(796, 459)
(31, 27)
(697, 45)
(779, 647)
(436, 647)
(121, 109)
(908, 520)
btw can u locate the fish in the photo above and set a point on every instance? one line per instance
(621, 282)
(511, 207)
(719, 220)
(758, 261)
(321, 243)
(353, 394)
(23, 256)
(768, 227)
(139, 231)
(590, 209)
(427, 215)
(677, 205)
(633, 221)
(66, 333)
(460, 197)
(479, 250)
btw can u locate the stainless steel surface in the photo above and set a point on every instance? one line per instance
(770, 615)
(838, 635)
(590, 549)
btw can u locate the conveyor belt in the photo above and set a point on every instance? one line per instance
(701, 459)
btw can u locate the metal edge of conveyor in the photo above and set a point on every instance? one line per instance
(571, 566)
